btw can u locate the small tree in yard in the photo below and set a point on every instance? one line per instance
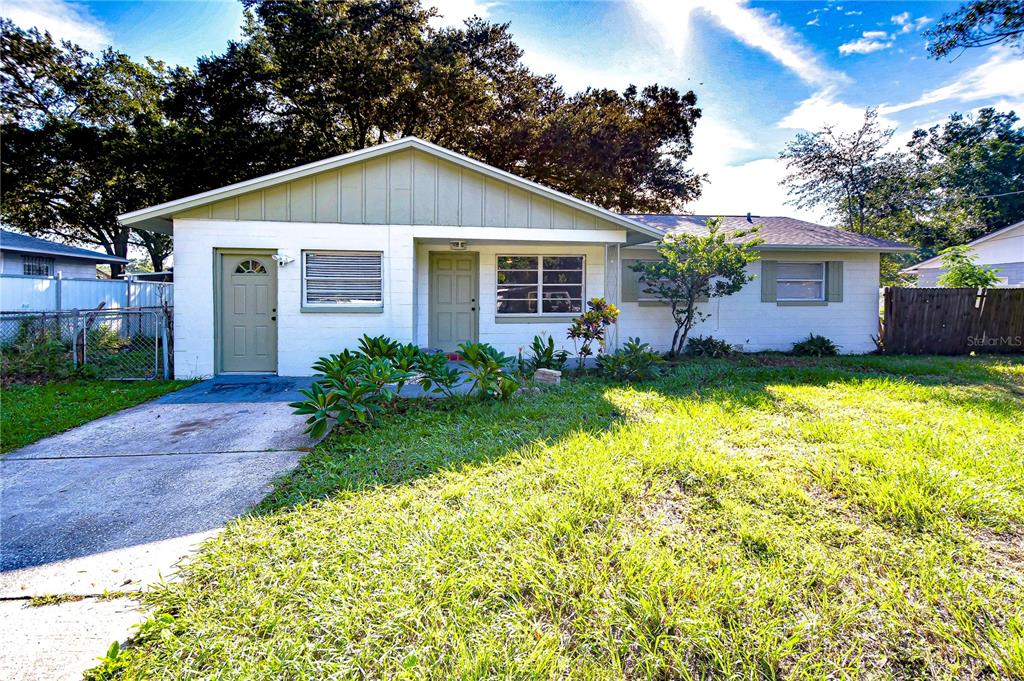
(963, 272)
(694, 267)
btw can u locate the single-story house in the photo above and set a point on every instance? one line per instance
(431, 247)
(21, 254)
(1002, 250)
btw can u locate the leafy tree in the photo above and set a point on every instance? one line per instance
(849, 174)
(695, 266)
(963, 272)
(973, 170)
(74, 130)
(342, 75)
(978, 24)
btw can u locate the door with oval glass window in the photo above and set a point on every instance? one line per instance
(248, 313)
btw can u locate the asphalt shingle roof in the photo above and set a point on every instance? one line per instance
(13, 241)
(776, 232)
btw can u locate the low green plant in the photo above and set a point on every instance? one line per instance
(815, 346)
(379, 346)
(490, 370)
(436, 375)
(634, 361)
(590, 327)
(41, 354)
(110, 665)
(709, 346)
(339, 365)
(543, 355)
(103, 338)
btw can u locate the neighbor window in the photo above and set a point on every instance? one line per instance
(342, 279)
(553, 281)
(37, 265)
(800, 281)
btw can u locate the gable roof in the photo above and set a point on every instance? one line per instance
(22, 243)
(776, 232)
(936, 261)
(157, 218)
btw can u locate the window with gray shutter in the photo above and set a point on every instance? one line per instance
(342, 278)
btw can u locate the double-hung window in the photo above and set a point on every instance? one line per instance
(540, 284)
(37, 265)
(342, 279)
(796, 281)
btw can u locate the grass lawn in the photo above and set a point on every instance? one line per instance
(32, 412)
(752, 519)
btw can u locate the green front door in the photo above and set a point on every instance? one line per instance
(248, 313)
(454, 308)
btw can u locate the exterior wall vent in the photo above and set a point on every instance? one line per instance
(457, 245)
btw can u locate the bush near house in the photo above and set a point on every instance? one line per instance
(766, 516)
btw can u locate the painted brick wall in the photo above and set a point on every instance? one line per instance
(302, 336)
(742, 318)
(508, 337)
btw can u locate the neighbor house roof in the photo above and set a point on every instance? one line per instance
(937, 260)
(22, 243)
(776, 232)
(157, 218)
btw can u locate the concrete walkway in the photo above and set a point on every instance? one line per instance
(115, 504)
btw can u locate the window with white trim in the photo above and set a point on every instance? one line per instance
(37, 265)
(342, 279)
(555, 281)
(795, 281)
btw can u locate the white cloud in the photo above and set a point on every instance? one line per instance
(900, 19)
(63, 20)
(753, 27)
(864, 45)
(907, 24)
(816, 21)
(875, 35)
(1001, 76)
(823, 108)
(761, 194)
(454, 12)
(853, 13)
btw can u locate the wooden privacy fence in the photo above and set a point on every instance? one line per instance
(952, 321)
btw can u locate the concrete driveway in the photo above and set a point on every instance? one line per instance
(114, 504)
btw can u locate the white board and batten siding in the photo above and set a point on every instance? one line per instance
(744, 320)
(406, 187)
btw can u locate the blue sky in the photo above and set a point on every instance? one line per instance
(762, 70)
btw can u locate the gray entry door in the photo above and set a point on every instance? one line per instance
(454, 308)
(248, 313)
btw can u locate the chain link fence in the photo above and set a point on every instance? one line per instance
(118, 344)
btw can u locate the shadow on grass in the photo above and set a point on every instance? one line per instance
(426, 436)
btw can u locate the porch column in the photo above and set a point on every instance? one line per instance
(611, 289)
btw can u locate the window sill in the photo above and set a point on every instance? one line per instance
(801, 303)
(534, 319)
(344, 309)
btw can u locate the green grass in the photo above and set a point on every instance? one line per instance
(32, 412)
(760, 518)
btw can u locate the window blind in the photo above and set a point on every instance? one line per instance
(342, 278)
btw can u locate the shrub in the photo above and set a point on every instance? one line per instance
(379, 346)
(590, 327)
(544, 356)
(709, 346)
(490, 370)
(36, 354)
(635, 361)
(436, 376)
(815, 346)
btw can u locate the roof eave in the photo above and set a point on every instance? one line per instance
(97, 257)
(145, 217)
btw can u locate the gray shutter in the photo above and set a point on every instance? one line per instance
(630, 292)
(768, 281)
(834, 277)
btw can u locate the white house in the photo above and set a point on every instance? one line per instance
(431, 247)
(1001, 250)
(23, 255)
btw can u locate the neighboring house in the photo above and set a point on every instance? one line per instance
(1001, 250)
(431, 247)
(27, 255)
